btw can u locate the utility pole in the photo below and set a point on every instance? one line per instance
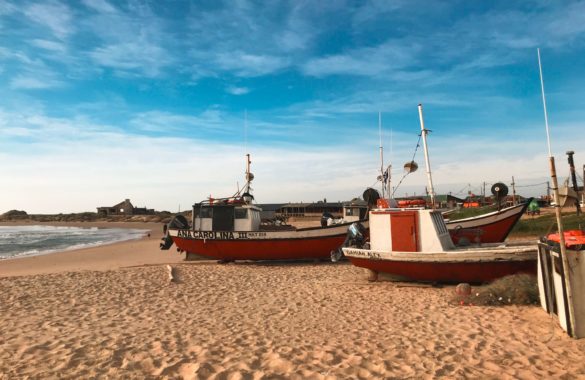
(548, 192)
(513, 192)
(574, 179)
(483, 193)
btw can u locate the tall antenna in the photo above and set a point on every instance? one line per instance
(381, 152)
(427, 161)
(246, 130)
(557, 206)
(544, 104)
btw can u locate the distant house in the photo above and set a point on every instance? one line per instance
(269, 210)
(310, 209)
(124, 208)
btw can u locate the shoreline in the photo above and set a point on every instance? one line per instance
(116, 255)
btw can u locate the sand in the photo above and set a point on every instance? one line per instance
(253, 321)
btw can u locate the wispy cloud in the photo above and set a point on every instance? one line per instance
(34, 83)
(6, 7)
(100, 6)
(54, 15)
(250, 65)
(237, 90)
(52, 46)
(142, 56)
(371, 61)
(210, 120)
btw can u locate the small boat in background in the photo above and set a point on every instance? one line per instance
(492, 227)
(230, 229)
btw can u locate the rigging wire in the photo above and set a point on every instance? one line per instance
(405, 174)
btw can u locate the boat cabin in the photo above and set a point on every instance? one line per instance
(225, 217)
(355, 210)
(408, 230)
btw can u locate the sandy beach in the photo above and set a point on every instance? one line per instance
(111, 312)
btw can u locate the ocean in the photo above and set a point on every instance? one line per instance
(16, 241)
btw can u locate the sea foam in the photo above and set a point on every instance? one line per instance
(16, 241)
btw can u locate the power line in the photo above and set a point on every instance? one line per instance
(532, 185)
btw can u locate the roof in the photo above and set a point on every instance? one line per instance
(314, 204)
(270, 206)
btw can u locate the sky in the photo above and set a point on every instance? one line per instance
(159, 101)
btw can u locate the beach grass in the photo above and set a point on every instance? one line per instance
(545, 224)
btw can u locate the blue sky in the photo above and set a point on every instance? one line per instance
(102, 100)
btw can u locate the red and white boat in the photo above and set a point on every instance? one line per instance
(492, 227)
(230, 229)
(415, 244)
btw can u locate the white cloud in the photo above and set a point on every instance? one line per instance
(52, 46)
(76, 165)
(250, 65)
(370, 61)
(100, 6)
(237, 90)
(158, 121)
(6, 7)
(52, 14)
(143, 56)
(33, 83)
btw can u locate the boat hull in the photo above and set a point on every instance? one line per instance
(446, 267)
(262, 245)
(490, 228)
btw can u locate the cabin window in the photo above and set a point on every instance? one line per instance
(241, 213)
(205, 212)
(349, 212)
(439, 223)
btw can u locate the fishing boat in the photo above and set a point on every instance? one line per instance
(415, 245)
(230, 229)
(492, 227)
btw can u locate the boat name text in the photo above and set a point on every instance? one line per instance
(220, 235)
(362, 253)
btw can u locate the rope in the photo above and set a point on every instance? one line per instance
(405, 174)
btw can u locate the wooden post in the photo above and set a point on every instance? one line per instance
(574, 179)
(563, 248)
(555, 189)
(513, 192)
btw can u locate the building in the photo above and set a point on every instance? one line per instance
(310, 209)
(124, 208)
(269, 210)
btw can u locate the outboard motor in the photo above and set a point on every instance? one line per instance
(178, 222)
(356, 237)
(324, 218)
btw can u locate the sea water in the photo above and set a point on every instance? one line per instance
(16, 241)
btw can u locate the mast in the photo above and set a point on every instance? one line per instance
(247, 196)
(427, 162)
(381, 153)
(555, 188)
(389, 168)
